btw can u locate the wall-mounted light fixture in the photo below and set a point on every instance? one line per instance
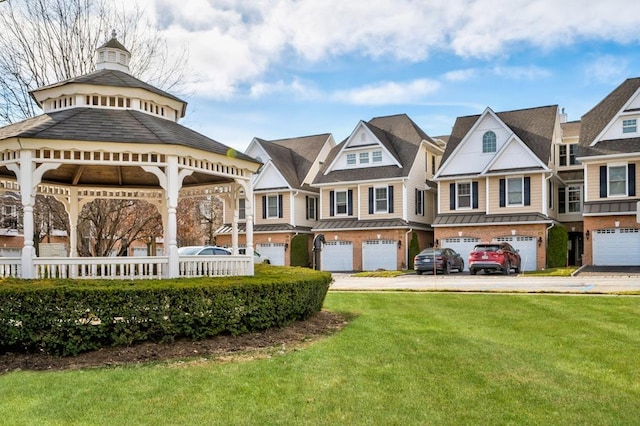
(286, 246)
(587, 234)
(437, 243)
(539, 241)
(513, 232)
(399, 243)
(617, 223)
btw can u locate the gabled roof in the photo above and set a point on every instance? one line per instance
(595, 121)
(534, 126)
(294, 157)
(108, 77)
(113, 43)
(404, 151)
(113, 125)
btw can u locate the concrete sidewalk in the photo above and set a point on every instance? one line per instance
(581, 284)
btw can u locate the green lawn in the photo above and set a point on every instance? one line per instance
(405, 358)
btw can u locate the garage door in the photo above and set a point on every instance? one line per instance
(379, 254)
(337, 256)
(462, 245)
(273, 251)
(616, 247)
(528, 249)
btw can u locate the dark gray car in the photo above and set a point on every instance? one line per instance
(442, 260)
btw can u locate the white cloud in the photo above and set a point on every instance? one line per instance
(388, 93)
(521, 72)
(461, 75)
(235, 42)
(606, 69)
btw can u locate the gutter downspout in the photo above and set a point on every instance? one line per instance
(406, 245)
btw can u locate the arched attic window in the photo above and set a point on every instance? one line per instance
(489, 142)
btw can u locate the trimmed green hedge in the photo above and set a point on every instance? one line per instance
(67, 317)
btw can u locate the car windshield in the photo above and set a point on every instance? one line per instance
(189, 251)
(486, 247)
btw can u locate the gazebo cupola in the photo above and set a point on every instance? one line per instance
(113, 56)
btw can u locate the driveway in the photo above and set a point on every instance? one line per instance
(589, 283)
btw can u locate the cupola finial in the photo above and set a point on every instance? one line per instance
(113, 33)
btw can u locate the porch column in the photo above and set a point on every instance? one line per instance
(248, 193)
(26, 179)
(171, 233)
(236, 217)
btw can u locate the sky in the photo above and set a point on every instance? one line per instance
(277, 69)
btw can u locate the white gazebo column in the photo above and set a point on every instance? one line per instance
(28, 181)
(171, 232)
(248, 207)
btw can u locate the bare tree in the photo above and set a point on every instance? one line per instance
(198, 218)
(47, 41)
(107, 227)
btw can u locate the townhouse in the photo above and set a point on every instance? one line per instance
(376, 193)
(609, 150)
(286, 205)
(497, 182)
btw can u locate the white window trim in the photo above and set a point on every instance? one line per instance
(346, 203)
(626, 179)
(458, 207)
(375, 199)
(631, 128)
(269, 215)
(363, 155)
(376, 156)
(495, 146)
(506, 190)
(575, 188)
(351, 159)
(420, 201)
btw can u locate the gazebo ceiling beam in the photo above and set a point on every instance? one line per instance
(77, 175)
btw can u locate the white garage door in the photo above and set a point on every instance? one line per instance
(379, 254)
(337, 256)
(273, 251)
(528, 249)
(462, 245)
(616, 247)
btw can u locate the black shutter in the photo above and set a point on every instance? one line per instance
(603, 181)
(264, 207)
(632, 179)
(370, 200)
(562, 200)
(417, 200)
(474, 194)
(279, 205)
(503, 200)
(390, 198)
(350, 202)
(452, 196)
(332, 198)
(527, 191)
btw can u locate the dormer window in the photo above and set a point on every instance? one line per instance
(364, 158)
(489, 142)
(351, 159)
(629, 126)
(376, 156)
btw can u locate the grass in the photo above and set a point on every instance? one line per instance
(553, 272)
(404, 359)
(381, 274)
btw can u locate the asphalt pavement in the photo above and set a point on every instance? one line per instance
(591, 282)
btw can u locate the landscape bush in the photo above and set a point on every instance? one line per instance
(67, 317)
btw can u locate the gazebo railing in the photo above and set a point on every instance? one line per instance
(143, 267)
(214, 266)
(101, 267)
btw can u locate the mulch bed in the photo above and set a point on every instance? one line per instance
(221, 347)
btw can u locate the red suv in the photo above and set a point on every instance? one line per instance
(498, 257)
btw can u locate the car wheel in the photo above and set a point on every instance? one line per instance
(517, 269)
(507, 270)
(461, 268)
(419, 272)
(472, 271)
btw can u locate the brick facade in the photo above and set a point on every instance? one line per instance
(592, 223)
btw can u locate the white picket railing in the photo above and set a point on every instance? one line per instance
(151, 267)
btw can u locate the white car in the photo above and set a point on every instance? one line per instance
(203, 251)
(257, 257)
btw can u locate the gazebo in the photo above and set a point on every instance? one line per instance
(109, 135)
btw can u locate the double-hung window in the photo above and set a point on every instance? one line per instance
(629, 126)
(376, 157)
(381, 200)
(364, 158)
(341, 202)
(242, 208)
(312, 208)
(574, 195)
(420, 202)
(351, 159)
(464, 195)
(515, 189)
(618, 180)
(272, 206)
(568, 154)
